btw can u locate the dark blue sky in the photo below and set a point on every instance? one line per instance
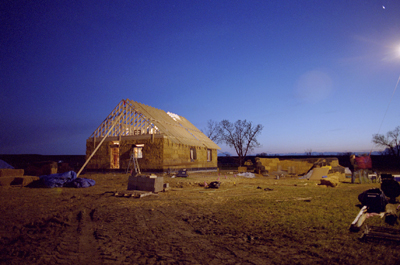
(317, 74)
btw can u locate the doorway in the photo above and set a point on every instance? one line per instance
(114, 155)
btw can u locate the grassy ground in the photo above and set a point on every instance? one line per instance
(297, 218)
(246, 221)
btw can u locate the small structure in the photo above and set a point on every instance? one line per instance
(161, 141)
(146, 183)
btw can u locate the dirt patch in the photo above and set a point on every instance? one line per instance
(245, 221)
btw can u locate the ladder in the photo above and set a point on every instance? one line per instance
(133, 160)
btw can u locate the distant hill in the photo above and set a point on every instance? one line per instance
(304, 154)
(22, 161)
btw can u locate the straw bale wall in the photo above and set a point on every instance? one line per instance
(291, 166)
(270, 164)
(101, 159)
(177, 156)
(152, 153)
(297, 167)
(159, 154)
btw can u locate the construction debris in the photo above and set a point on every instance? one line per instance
(380, 233)
(247, 175)
(214, 185)
(375, 203)
(359, 220)
(133, 194)
(330, 181)
(182, 173)
(307, 199)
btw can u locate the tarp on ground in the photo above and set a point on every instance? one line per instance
(4, 164)
(80, 183)
(247, 175)
(67, 179)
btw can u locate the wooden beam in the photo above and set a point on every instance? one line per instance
(102, 140)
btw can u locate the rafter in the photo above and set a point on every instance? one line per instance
(132, 122)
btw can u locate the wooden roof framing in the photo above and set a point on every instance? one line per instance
(139, 118)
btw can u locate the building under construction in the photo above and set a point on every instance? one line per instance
(161, 141)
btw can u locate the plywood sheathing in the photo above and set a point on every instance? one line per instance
(318, 173)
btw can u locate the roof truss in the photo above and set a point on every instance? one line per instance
(131, 122)
(136, 119)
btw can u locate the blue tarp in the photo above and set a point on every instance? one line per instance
(4, 164)
(80, 183)
(67, 179)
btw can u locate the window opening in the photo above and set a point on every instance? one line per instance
(138, 150)
(193, 154)
(114, 155)
(209, 157)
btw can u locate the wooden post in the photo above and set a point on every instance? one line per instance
(102, 140)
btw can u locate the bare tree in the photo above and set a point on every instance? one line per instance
(241, 135)
(212, 130)
(391, 141)
(308, 152)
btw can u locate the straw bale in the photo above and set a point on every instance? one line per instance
(331, 181)
(334, 163)
(8, 172)
(6, 181)
(242, 169)
(22, 180)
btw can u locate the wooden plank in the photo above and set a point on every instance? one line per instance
(381, 233)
